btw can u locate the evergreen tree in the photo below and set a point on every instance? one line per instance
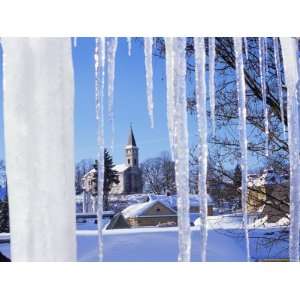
(237, 177)
(4, 216)
(110, 176)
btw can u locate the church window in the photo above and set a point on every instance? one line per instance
(128, 161)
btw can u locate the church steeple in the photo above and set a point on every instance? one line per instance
(131, 139)
(132, 151)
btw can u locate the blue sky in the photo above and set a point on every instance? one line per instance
(130, 102)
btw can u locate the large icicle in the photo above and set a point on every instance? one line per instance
(38, 117)
(112, 44)
(99, 91)
(199, 46)
(75, 42)
(246, 47)
(129, 45)
(241, 92)
(181, 150)
(170, 91)
(279, 86)
(148, 44)
(212, 57)
(262, 70)
(289, 49)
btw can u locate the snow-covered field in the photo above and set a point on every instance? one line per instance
(225, 242)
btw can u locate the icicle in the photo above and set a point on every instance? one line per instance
(241, 92)
(38, 89)
(112, 44)
(170, 91)
(129, 45)
(212, 55)
(74, 42)
(262, 68)
(289, 50)
(181, 150)
(148, 43)
(99, 90)
(199, 47)
(246, 47)
(279, 86)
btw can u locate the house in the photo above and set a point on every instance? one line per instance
(269, 193)
(171, 201)
(151, 213)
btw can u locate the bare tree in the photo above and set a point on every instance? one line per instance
(224, 148)
(159, 174)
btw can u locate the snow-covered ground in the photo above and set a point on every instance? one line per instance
(161, 244)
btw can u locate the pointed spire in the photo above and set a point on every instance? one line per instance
(131, 139)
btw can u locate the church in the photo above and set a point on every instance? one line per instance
(130, 175)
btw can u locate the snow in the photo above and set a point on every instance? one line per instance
(38, 88)
(241, 92)
(289, 47)
(171, 201)
(138, 209)
(120, 168)
(160, 245)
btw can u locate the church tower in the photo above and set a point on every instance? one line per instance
(132, 151)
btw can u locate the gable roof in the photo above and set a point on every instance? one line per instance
(136, 210)
(171, 201)
(121, 168)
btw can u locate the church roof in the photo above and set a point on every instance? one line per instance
(131, 139)
(120, 168)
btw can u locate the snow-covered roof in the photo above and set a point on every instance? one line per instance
(268, 177)
(92, 171)
(120, 168)
(171, 201)
(138, 209)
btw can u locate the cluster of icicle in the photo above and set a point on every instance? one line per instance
(177, 123)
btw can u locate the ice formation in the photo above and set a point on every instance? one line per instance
(200, 88)
(246, 47)
(148, 44)
(112, 44)
(99, 93)
(38, 89)
(241, 92)
(129, 45)
(278, 79)
(262, 69)
(289, 47)
(212, 57)
(170, 91)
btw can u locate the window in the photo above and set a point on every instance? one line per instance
(158, 209)
(128, 161)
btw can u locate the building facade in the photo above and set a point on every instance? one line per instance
(129, 173)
